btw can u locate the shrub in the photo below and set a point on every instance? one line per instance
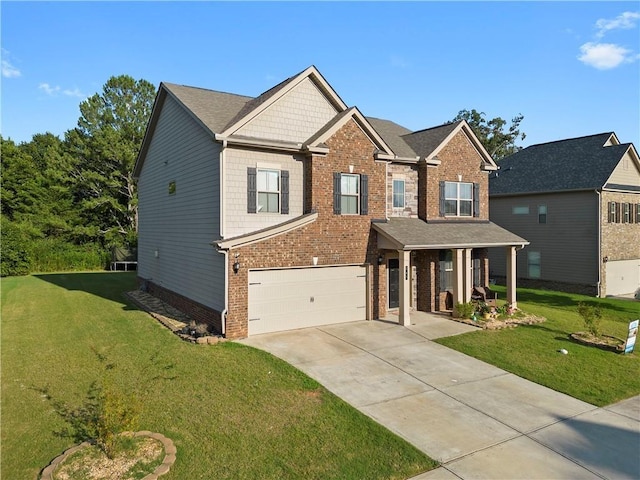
(15, 259)
(57, 255)
(463, 310)
(591, 316)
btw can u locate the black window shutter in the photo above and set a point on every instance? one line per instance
(251, 190)
(364, 195)
(442, 198)
(609, 219)
(336, 193)
(284, 192)
(476, 199)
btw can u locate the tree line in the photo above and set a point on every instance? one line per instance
(66, 202)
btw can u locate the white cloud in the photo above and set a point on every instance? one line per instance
(624, 21)
(48, 89)
(74, 93)
(605, 56)
(8, 69)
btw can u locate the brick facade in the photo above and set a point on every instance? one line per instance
(334, 239)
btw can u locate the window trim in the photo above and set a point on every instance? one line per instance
(542, 216)
(265, 170)
(534, 263)
(395, 194)
(458, 199)
(355, 195)
(520, 210)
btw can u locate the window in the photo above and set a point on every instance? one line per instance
(477, 270)
(637, 212)
(446, 270)
(267, 190)
(398, 194)
(350, 194)
(520, 210)
(458, 199)
(533, 264)
(268, 186)
(612, 212)
(626, 215)
(542, 214)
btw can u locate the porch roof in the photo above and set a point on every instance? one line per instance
(416, 234)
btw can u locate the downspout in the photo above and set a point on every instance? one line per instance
(599, 262)
(223, 319)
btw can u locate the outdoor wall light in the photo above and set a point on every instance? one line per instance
(380, 259)
(605, 259)
(236, 266)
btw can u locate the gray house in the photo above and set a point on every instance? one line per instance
(577, 201)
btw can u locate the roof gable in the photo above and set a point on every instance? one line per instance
(583, 163)
(302, 81)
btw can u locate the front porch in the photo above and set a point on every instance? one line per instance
(414, 248)
(430, 325)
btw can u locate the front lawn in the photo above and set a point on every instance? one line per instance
(532, 351)
(232, 411)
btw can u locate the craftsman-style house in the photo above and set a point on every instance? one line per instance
(292, 209)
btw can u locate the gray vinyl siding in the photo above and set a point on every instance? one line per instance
(238, 221)
(181, 226)
(568, 242)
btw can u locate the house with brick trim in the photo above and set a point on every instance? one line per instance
(578, 202)
(292, 209)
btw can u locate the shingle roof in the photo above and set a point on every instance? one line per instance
(415, 234)
(392, 134)
(574, 164)
(424, 142)
(214, 109)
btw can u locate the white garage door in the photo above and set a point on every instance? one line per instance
(623, 276)
(306, 297)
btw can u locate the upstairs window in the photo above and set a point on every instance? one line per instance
(459, 199)
(613, 213)
(350, 194)
(398, 194)
(542, 214)
(267, 190)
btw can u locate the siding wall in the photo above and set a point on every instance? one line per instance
(568, 242)
(238, 221)
(626, 172)
(294, 117)
(181, 226)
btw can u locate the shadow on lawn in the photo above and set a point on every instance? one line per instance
(108, 285)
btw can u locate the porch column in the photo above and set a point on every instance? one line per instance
(468, 275)
(404, 258)
(458, 276)
(511, 276)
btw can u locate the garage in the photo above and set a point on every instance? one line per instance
(623, 276)
(286, 299)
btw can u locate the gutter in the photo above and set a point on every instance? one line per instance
(223, 315)
(599, 260)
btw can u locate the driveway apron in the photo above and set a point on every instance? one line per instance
(479, 421)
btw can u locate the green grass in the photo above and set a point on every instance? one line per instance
(232, 411)
(531, 351)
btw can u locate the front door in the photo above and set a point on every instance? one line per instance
(393, 269)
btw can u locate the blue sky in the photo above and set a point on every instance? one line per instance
(571, 68)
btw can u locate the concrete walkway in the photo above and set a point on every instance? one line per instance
(479, 421)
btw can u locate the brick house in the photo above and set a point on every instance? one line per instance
(291, 210)
(578, 202)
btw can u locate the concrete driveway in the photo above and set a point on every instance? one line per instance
(479, 421)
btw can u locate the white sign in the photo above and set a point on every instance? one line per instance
(631, 338)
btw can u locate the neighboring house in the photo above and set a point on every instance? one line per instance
(578, 202)
(291, 209)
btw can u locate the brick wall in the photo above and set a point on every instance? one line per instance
(458, 157)
(334, 239)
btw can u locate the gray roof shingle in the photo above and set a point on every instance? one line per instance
(415, 234)
(392, 134)
(574, 164)
(424, 142)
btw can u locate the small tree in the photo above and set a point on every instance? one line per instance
(591, 315)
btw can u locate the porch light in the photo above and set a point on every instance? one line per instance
(236, 266)
(380, 259)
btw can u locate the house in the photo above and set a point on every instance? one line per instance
(578, 202)
(292, 209)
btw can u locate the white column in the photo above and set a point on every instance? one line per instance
(468, 275)
(511, 276)
(458, 276)
(405, 287)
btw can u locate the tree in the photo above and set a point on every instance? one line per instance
(499, 143)
(105, 145)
